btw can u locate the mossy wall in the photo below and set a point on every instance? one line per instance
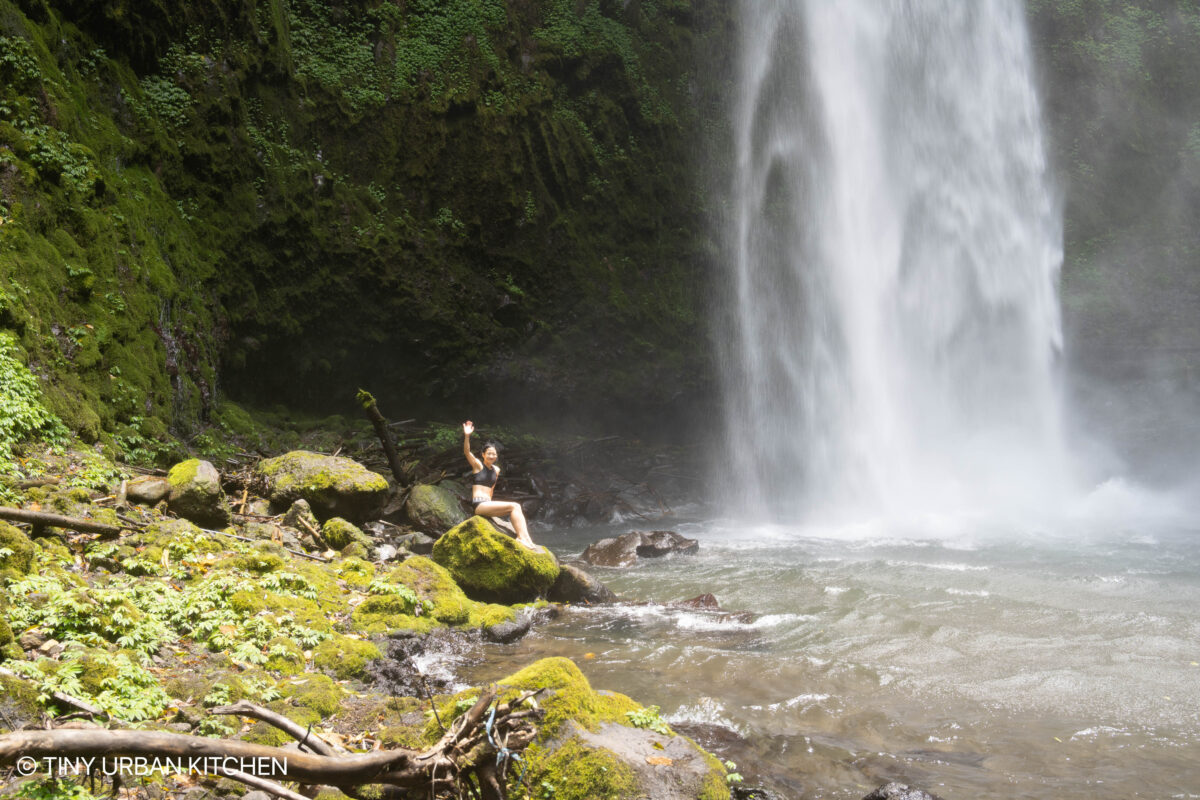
(283, 200)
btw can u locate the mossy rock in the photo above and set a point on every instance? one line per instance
(196, 493)
(434, 585)
(492, 567)
(345, 658)
(18, 702)
(284, 656)
(338, 533)
(587, 748)
(20, 560)
(356, 572)
(254, 601)
(569, 696)
(312, 691)
(333, 486)
(433, 509)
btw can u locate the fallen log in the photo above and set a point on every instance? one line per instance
(468, 751)
(371, 409)
(41, 518)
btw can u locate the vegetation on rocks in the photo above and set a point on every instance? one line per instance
(492, 566)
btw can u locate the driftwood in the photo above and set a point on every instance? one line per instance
(41, 518)
(371, 409)
(468, 751)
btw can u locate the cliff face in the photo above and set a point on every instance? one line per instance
(1122, 102)
(481, 203)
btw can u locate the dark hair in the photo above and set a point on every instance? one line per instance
(492, 445)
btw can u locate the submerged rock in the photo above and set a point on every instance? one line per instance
(196, 495)
(573, 585)
(492, 567)
(626, 549)
(333, 486)
(433, 509)
(899, 791)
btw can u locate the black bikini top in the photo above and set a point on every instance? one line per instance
(485, 477)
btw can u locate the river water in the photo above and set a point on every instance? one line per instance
(972, 660)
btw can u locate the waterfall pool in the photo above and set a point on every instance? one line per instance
(973, 660)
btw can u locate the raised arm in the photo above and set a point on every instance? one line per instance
(468, 429)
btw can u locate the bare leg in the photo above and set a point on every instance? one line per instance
(502, 508)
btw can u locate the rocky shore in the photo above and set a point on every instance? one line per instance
(311, 586)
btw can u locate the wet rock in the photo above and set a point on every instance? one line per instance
(492, 567)
(147, 490)
(656, 544)
(507, 632)
(417, 543)
(750, 793)
(899, 791)
(333, 486)
(620, 551)
(705, 602)
(576, 586)
(196, 495)
(433, 509)
(626, 549)
(405, 671)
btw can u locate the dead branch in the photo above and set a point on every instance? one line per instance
(468, 748)
(41, 518)
(244, 708)
(371, 409)
(300, 553)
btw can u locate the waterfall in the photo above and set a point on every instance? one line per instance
(894, 242)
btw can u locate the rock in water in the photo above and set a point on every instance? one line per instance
(576, 586)
(433, 510)
(616, 552)
(899, 791)
(196, 494)
(333, 486)
(626, 549)
(492, 567)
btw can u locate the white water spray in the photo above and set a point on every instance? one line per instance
(895, 245)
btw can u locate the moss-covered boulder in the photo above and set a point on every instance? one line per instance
(339, 533)
(333, 486)
(492, 567)
(16, 552)
(196, 494)
(345, 658)
(433, 509)
(601, 744)
(148, 490)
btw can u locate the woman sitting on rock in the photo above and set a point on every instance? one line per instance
(483, 482)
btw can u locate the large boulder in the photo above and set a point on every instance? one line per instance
(573, 585)
(626, 549)
(196, 495)
(433, 509)
(603, 744)
(333, 486)
(492, 567)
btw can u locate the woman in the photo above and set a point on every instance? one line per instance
(483, 482)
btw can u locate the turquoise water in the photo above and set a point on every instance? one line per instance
(976, 659)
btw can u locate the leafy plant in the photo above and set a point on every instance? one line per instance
(650, 719)
(54, 789)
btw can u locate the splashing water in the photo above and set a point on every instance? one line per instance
(895, 244)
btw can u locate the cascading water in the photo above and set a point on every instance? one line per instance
(895, 245)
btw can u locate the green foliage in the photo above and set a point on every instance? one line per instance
(650, 719)
(54, 789)
(124, 688)
(22, 412)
